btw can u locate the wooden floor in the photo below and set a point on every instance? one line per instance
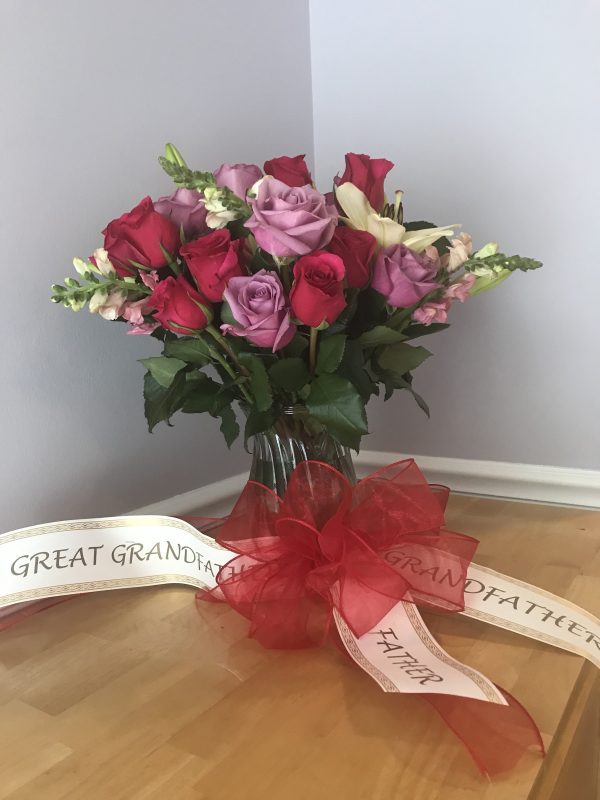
(139, 695)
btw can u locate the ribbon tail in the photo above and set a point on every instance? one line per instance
(496, 736)
(400, 655)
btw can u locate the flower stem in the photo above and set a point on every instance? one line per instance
(229, 350)
(229, 370)
(212, 331)
(312, 353)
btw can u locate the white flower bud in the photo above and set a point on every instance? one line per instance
(489, 249)
(253, 190)
(459, 251)
(82, 267)
(103, 263)
(113, 305)
(97, 300)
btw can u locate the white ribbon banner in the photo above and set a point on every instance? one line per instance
(399, 653)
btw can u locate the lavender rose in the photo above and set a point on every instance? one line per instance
(402, 276)
(238, 177)
(185, 208)
(259, 307)
(291, 221)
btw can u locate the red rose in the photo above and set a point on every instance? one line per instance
(175, 301)
(213, 260)
(356, 249)
(138, 236)
(368, 175)
(318, 292)
(291, 170)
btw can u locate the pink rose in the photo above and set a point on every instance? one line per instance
(259, 307)
(238, 177)
(291, 221)
(432, 312)
(185, 207)
(402, 276)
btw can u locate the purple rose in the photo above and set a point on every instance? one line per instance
(185, 207)
(291, 221)
(238, 177)
(259, 307)
(402, 276)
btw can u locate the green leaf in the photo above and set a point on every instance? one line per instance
(416, 331)
(401, 383)
(352, 367)
(257, 422)
(418, 225)
(296, 347)
(162, 369)
(420, 402)
(337, 405)
(227, 315)
(343, 321)
(401, 358)
(289, 374)
(259, 380)
(187, 348)
(330, 353)
(485, 282)
(229, 425)
(160, 403)
(202, 396)
(380, 335)
(370, 310)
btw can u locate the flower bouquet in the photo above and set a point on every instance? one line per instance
(297, 305)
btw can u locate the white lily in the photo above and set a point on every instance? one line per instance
(363, 217)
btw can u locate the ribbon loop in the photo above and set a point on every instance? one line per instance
(360, 549)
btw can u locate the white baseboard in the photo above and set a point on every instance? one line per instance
(213, 499)
(576, 487)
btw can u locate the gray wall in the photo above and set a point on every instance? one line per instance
(490, 112)
(89, 94)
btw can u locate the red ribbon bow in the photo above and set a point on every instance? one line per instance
(360, 549)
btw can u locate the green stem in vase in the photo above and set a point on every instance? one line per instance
(312, 352)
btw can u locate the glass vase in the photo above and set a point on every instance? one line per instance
(294, 438)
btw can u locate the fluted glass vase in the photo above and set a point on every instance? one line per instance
(293, 439)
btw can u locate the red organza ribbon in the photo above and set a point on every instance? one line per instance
(329, 544)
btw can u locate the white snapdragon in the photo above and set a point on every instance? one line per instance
(109, 305)
(459, 251)
(253, 190)
(103, 263)
(218, 214)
